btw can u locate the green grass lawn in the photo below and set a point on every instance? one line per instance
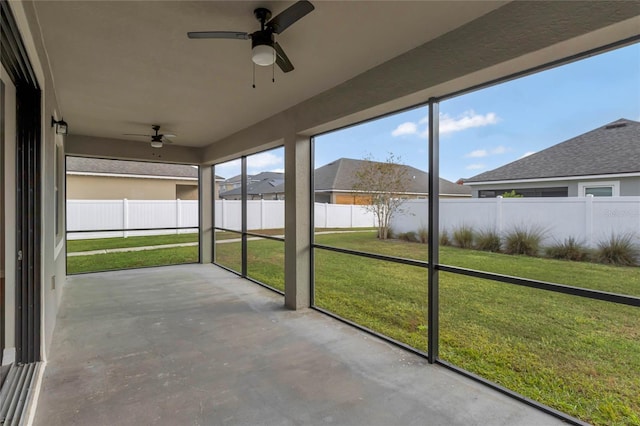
(74, 246)
(577, 355)
(133, 259)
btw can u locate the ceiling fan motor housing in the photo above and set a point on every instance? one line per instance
(262, 47)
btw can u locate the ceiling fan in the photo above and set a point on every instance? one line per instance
(157, 139)
(265, 49)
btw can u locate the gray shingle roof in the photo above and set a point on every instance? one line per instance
(98, 165)
(341, 175)
(610, 149)
(256, 178)
(265, 186)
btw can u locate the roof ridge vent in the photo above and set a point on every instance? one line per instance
(615, 125)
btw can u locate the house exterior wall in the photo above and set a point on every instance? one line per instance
(53, 261)
(359, 199)
(81, 187)
(278, 196)
(629, 186)
(186, 191)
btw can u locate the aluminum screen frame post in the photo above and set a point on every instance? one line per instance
(243, 176)
(434, 234)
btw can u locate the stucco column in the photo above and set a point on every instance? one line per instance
(206, 188)
(297, 282)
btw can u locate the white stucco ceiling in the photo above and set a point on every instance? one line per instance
(119, 67)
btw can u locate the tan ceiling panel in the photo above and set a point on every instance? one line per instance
(119, 67)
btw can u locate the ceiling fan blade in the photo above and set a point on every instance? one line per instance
(135, 134)
(168, 135)
(289, 16)
(165, 140)
(234, 35)
(281, 59)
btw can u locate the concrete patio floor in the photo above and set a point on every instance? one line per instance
(196, 345)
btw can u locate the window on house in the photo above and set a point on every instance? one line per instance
(599, 189)
(602, 191)
(526, 192)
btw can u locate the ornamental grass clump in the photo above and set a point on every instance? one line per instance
(619, 250)
(445, 239)
(463, 237)
(569, 249)
(423, 234)
(524, 240)
(488, 240)
(410, 237)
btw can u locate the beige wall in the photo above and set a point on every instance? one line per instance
(52, 251)
(81, 187)
(186, 191)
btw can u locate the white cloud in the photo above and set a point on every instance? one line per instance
(476, 167)
(229, 165)
(478, 153)
(263, 160)
(526, 154)
(448, 124)
(277, 170)
(466, 120)
(499, 150)
(407, 128)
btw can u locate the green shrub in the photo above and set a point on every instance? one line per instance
(463, 236)
(423, 234)
(569, 249)
(512, 194)
(618, 250)
(523, 240)
(488, 240)
(445, 239)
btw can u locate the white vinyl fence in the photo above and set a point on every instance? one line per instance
(269, 214)
(589, 219)
(97, 215)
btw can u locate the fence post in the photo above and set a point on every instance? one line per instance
(222, 215)
(326, 215)
(499, 206)
(261, 213)
(125, 217)
(351, 217)
(178, 215)
(588, 211)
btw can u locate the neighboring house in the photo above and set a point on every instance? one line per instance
(263, 186)
(604, 162)
(99, 179)
(334, 183)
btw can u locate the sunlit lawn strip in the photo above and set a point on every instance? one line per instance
(119, 242)
(614, 279)
(133, 259)
(577, 355)
(225, 235)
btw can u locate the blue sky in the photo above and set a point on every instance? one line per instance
(491, 127)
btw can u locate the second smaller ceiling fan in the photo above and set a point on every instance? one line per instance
(157, 139)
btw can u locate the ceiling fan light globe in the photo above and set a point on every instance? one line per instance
(263, 55)
(156, 144)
